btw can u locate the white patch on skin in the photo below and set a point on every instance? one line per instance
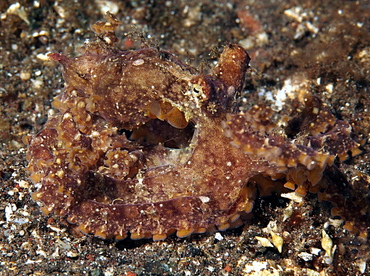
(204, 199)
(138, 62)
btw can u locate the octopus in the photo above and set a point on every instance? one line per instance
(145, 145)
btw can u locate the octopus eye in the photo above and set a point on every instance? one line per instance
(83, 76)
(201, 91)
(201, 88)
(197, 90)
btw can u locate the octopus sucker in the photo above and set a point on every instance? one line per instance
(145, 146)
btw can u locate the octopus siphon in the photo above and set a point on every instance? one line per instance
(145, 145)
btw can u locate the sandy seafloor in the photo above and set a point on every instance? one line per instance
(321, 46)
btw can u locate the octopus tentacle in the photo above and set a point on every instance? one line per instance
(303, 158)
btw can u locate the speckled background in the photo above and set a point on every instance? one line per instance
(320, 46)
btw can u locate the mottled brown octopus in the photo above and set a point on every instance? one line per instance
(145, 145)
